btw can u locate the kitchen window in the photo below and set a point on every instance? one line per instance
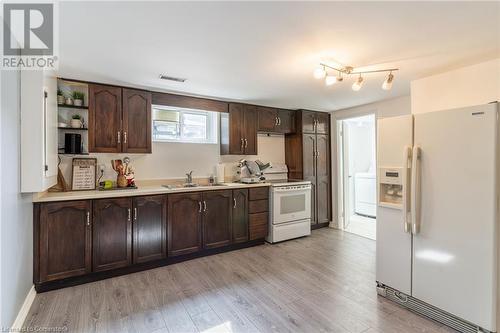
(184, 125)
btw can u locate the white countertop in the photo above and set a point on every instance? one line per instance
(142, 190)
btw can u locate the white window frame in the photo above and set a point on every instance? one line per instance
(211, 127)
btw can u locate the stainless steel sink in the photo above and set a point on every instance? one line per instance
(173, 187)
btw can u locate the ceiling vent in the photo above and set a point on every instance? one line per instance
(171, 78)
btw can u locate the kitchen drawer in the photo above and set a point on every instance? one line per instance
(259, 193)
(258, 225)
(258, 206)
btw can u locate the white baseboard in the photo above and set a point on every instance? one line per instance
(23, 312)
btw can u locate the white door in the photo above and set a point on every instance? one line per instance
(393, 243)
(454, 250)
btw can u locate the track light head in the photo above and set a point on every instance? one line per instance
(319, 72)
(387, 85)
(330, 80)
(358, 84)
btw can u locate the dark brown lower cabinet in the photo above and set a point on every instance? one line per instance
(184, 223)
(113, 236)
(112, 233)
(217, 223)
(240, 215)
(149, 228)
(64, 242)
(258, 213)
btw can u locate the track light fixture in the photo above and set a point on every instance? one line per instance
(322, 73)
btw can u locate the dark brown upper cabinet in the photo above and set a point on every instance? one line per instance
(112, 233)
(119, 120)
(267, 119)
(286, 121)
(136, 121)
(149, 228)
(240, 215)
(217, 222)
(105, 119)
(238, 130)
(271, 120)
(184, 223)
(322, 123)
(314, 122)
(63, 247)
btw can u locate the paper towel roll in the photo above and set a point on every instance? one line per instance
(220, 173)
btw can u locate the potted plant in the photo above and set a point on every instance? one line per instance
(60, 97)
(76, 121)
(78, 98)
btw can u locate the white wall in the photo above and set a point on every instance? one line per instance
(386, 108)
(16, 232)
(466, 86)
(361, 144)
(173, 160)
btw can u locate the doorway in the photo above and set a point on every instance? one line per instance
(357, 165)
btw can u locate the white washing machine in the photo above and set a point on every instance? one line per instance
(365, 194)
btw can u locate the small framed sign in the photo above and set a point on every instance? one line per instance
(84, 174)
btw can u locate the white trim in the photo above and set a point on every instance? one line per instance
(25, 308)
(338, 190)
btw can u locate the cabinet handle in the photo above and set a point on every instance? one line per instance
(234, 202)
(119, 137)
(124, 137)
(204, 206)
(128, 210)
(242, 143)
(135, 213)
(246, 143)
(279, 121)
(199, 203)
(88, 218)
(317, 153)
(275, 121)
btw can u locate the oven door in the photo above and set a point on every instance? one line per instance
(291, 203)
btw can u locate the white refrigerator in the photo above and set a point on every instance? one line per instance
(437, 215)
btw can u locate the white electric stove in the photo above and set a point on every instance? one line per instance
(290, 205)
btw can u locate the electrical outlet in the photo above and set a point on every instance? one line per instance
(102, 167)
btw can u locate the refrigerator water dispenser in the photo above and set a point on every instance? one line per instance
(391, 187)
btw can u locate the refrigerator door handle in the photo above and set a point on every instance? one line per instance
(406, 188)
(415, 190)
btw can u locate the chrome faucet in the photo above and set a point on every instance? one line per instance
(189, 177)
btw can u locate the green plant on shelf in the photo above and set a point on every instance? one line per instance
(60, 92)
(76, 116)
(77, 95)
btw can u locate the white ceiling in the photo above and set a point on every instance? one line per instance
(265, 52)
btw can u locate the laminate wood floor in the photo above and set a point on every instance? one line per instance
(321, 283)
